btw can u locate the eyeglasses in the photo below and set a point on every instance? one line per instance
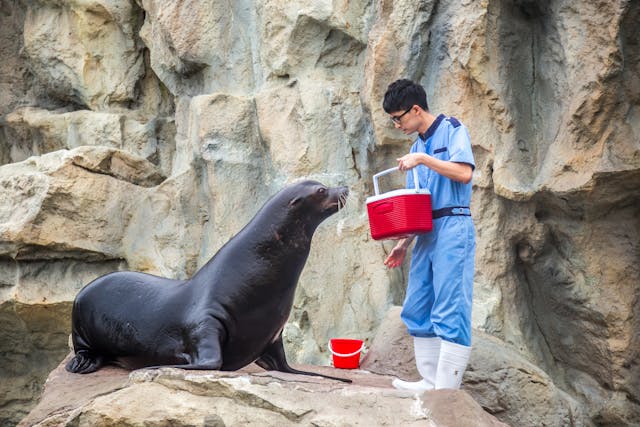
(396, 119)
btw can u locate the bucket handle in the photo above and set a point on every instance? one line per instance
(361, 349)
(416, 184)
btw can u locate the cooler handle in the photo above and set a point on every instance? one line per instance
(376, 188)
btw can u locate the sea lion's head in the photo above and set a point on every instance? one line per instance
(313, 202)
(314, 199)
(295, 212)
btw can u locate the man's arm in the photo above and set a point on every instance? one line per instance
(460, 172)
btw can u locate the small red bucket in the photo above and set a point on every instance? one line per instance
(346, 352)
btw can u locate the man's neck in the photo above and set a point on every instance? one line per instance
(427, 120)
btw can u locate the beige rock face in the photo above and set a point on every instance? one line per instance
(200, 46)
(87, 51)
(144, 134)
(32, 131)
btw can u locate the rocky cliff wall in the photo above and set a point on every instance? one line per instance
(143, 134)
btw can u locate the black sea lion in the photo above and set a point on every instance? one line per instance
(229, 314)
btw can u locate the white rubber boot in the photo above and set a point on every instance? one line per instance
(451, 365)
(427, 351)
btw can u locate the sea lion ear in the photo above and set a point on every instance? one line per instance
(295, 201)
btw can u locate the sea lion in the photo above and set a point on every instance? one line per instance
(229, 314)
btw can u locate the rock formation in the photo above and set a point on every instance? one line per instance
(247, 398)
(140, 134)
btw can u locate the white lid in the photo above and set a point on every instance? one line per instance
(394, 193)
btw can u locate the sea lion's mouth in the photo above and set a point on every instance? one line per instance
(341, 201)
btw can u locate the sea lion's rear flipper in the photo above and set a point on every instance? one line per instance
(84, 363)
(274, 359)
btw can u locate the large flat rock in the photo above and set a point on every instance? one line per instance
(251, 397)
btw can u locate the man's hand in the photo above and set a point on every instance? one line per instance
(409, 161)
(396, 257)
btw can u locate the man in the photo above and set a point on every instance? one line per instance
(437, 306)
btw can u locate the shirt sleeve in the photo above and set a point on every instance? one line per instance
(460, 146)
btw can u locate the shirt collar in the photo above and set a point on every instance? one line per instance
(429, 133)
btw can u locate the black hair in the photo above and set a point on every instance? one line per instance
(404, 94)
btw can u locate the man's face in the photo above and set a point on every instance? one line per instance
(406, 120)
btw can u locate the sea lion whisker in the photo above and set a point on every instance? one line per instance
(342, 200)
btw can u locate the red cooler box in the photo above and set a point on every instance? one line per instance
(399, 213)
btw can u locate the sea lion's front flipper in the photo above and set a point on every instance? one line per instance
(274, 359)
(84, 362)
(205, 348)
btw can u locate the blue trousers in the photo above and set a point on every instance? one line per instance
(440, 290)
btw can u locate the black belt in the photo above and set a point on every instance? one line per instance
(452, 211)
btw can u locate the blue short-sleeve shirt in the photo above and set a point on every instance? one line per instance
(446, 139)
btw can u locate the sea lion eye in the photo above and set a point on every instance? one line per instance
(321, 190)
